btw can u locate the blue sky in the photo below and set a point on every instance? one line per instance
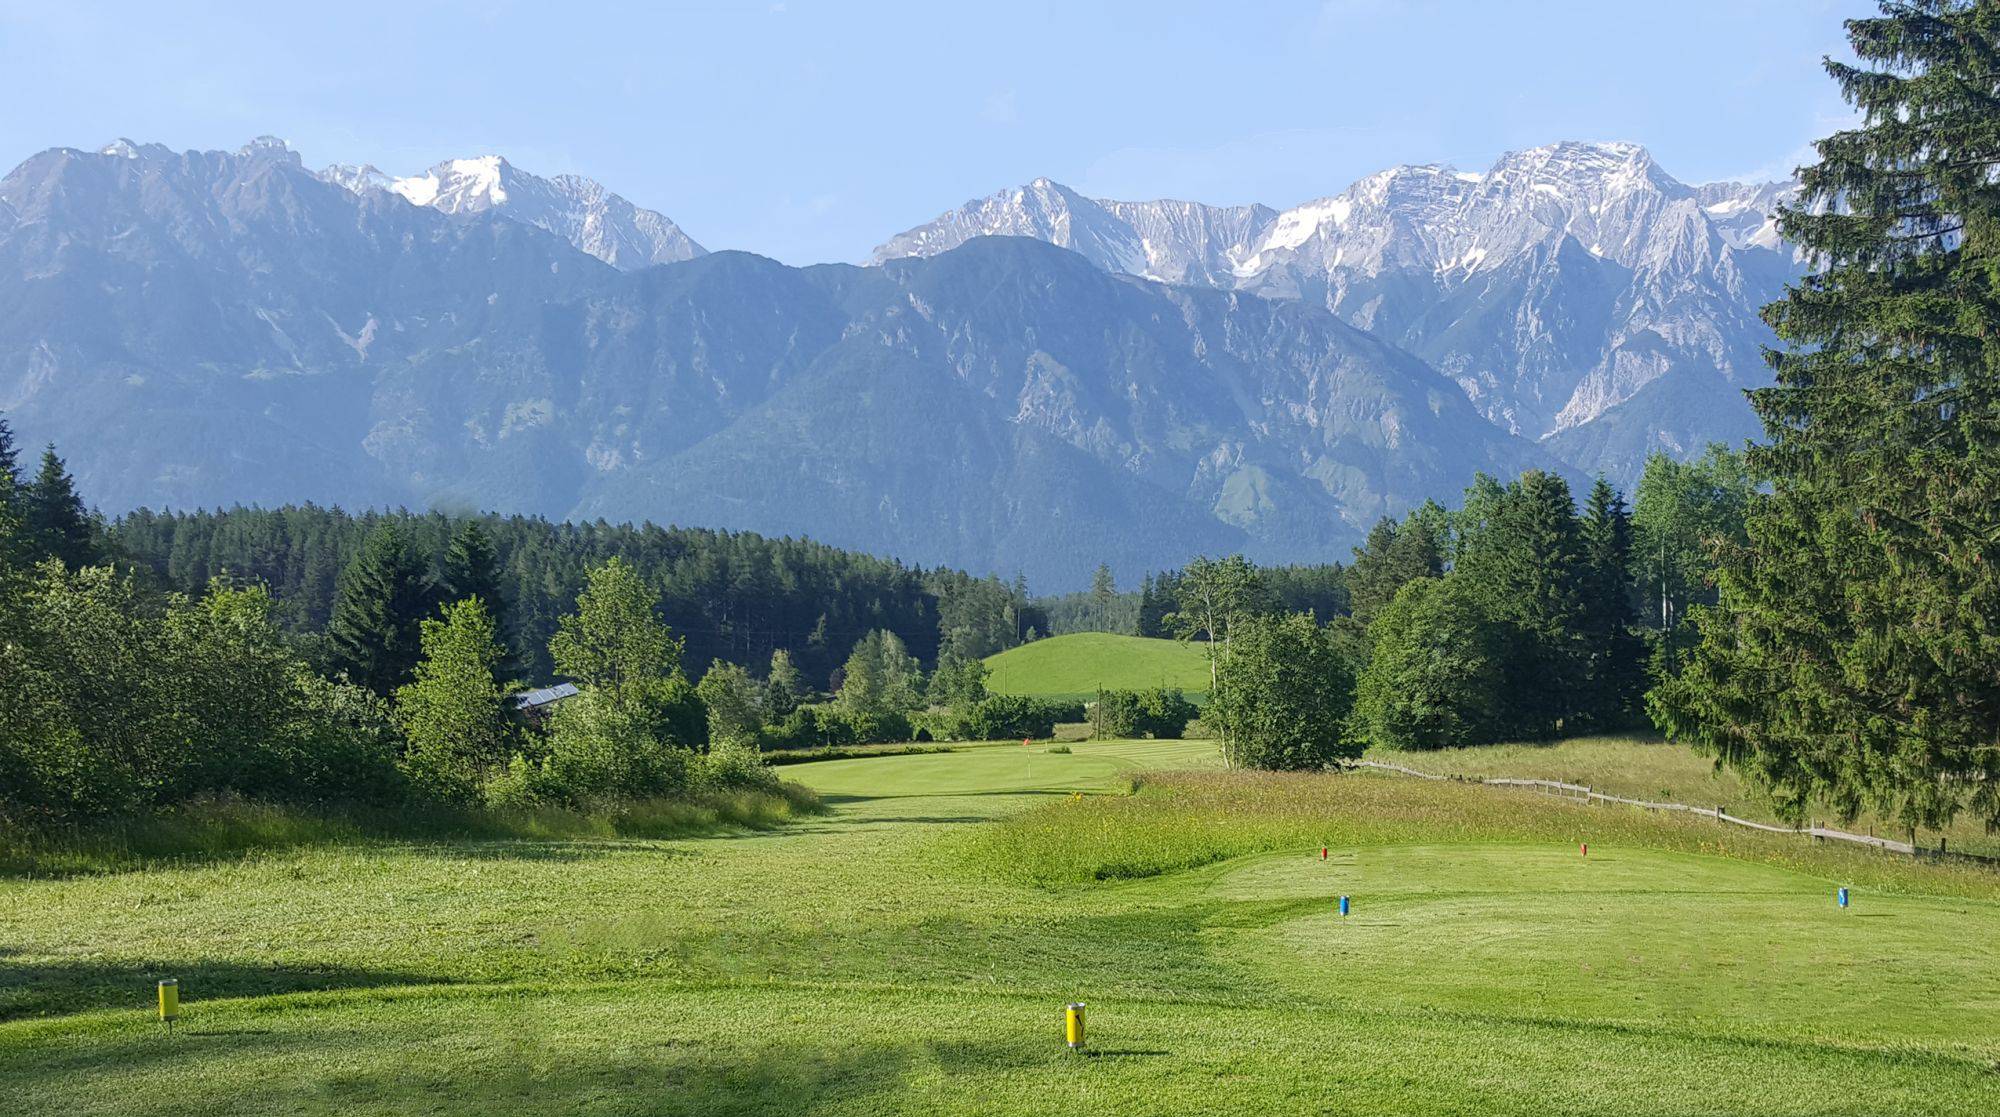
(811, 131)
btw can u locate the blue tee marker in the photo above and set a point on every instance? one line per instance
(1343, 907)
(1842, 894)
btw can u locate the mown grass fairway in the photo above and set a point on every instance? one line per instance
(1075, 665)
(898, 956)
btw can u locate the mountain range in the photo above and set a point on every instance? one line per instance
(1577, 293)
(1035, 382)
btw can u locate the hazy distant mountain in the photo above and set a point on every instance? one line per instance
(574, 208)
(1553, 288)
(202, 328)
(1175, 242)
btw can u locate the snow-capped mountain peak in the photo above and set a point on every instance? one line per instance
(459, 185)
(362, 178)
(575, 208)
(1553, 287)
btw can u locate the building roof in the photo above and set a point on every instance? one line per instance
(530, 699)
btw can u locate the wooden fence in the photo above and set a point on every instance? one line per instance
(1584, 794)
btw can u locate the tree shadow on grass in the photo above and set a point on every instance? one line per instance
(60, 988)
(296, 1070)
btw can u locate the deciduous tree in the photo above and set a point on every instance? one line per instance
(454, 713)
(1284, 694)
(1437, 673)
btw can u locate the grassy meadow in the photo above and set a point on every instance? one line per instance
(1643, 766)
(909, 951)
(1075, 665)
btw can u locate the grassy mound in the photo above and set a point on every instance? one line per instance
(1074, 666)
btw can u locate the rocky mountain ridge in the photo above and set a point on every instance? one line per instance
(205, 328)
(1556, 287)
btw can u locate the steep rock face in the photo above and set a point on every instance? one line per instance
(1552, 288)
(1174, 242)
(577, 209)
(209, 327)
(203, 327)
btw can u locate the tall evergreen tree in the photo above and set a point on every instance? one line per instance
(1154, 605)
(10, 461)
(1528, 564)
(1393, 556)
(1614, 671)
(471, 569)
(1103, 598)
(384, 596)
(1850, 658)
(58, 523)
(14, 549)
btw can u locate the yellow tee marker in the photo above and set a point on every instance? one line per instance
(170, 1002)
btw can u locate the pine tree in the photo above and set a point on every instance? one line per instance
(1103, 598)
(58, 524)
(1393, 556)
(1849, 659)
(471, 570)
(1614, 670)
(1527, 564)
(14, 549)
(384, 596)
(10, 461)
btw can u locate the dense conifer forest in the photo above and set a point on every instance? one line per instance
(733, 596)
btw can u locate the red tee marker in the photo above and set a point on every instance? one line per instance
(1586, 849)
(1322, 853)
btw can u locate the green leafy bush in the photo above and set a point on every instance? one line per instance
(1002, 717)
(1161, 712)
(833, 726)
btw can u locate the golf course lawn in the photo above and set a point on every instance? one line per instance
(910, 952)
(1074, 665)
